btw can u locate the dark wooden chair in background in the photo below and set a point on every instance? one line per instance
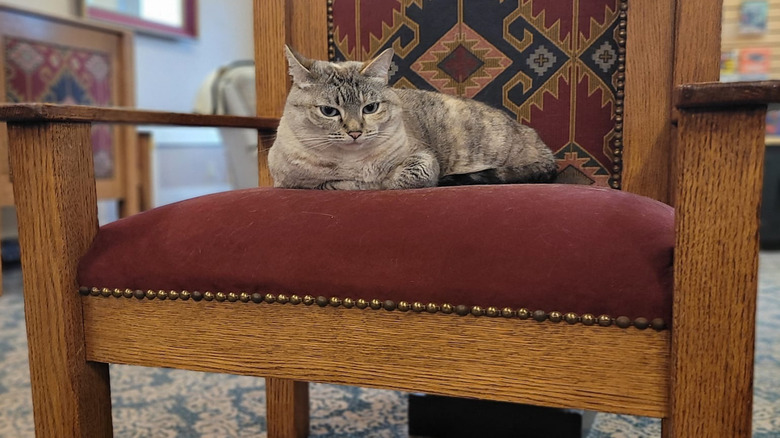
(200, 298)
(52, 59)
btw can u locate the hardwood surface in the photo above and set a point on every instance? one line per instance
(56, 205)
(44, 112)
(718, 94)
(598, 368)
(648, 98)
(287, 404)
(715, 271)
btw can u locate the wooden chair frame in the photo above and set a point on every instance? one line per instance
(697, 376)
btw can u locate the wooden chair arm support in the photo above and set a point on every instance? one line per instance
(720, 161)
(44, 112)
(726, 94)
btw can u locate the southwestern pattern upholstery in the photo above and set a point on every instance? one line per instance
(36, 71)
(562, 76)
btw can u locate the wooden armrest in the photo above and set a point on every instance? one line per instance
(722, 94)
(45, 112)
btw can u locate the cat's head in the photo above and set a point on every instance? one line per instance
(346, 105)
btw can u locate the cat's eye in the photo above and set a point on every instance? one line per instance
(371, 108)
(329, 111)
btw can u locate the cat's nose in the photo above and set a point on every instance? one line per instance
(355, 134)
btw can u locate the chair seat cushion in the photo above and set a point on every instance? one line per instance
(549, 247)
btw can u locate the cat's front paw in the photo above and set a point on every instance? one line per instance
(327, 185)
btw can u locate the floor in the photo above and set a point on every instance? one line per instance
(173, 403)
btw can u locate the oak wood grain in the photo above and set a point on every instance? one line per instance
(57, 208)
(648, 98)
(720, 94)
(271, 34)
(600, 368)
(697, 41)
(287, 412)
(715, 271)
(46, 112)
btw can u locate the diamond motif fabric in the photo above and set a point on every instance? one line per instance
(40, 72)
(555, 66)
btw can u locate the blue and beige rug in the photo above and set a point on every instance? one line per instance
(163, 403)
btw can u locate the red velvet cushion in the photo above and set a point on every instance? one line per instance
(533, 246)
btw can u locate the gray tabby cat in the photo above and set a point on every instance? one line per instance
(344, 128)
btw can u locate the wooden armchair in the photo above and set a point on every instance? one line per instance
(144, 292)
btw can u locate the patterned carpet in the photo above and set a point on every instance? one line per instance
(171, 403)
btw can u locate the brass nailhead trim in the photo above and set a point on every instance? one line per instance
(617, 142)
(375, 304)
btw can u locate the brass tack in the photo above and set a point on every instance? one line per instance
(308, 300)
(432, 307)
(623, 321)
(269, 298)
(220, 296)
(162, 295)
(150, 294)
(139, 294)
(185, 295)
(83, 290)
(418, 307)
(116, 293)
(461, 310)
(571, 318)
(295, 300)
(94, 291)
(348, 303)
(321, 301)
(257, 298)
(605, 321)
(127, 293)
(361, 303)
(375, 304)
(197, 296)
(507, 312)
(389, 305)
(477, 311)
(244, 297)
(106, 292)
(556, 316)
(523, 313)
(588, 319)
(173, 295)
(641, 323)
(447, 308)
(282, 299)
(403, 306)
(658, 324)
(539, 315)
(232, 297)
(492, 311)
(334, 301)
(208, 296)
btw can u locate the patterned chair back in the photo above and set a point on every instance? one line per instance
(556, 66)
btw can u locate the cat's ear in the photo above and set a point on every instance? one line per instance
(379, 67)
(299, 67)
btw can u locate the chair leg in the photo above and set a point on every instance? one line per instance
(287, 408)
(715, 272)
(55, 197)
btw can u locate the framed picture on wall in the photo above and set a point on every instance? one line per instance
(166, 18)
(753, 17)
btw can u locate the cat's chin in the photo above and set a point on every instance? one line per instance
(353, 146)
